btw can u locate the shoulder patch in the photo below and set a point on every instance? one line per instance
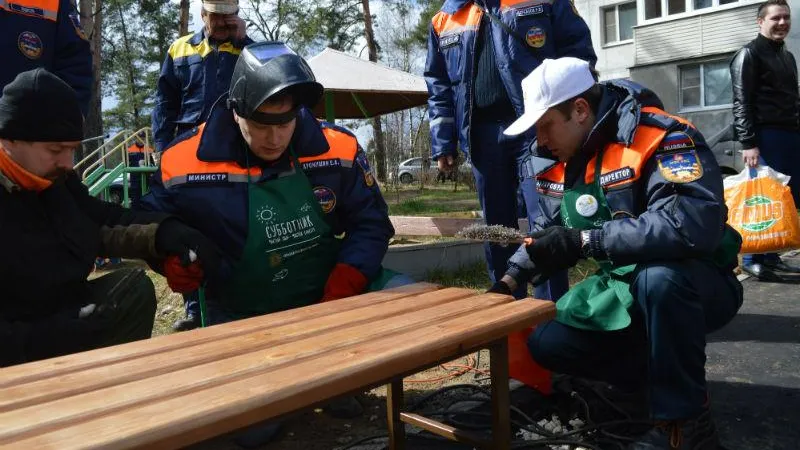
(75, 19)
(680, 167)
(677, 140)
(363, 163)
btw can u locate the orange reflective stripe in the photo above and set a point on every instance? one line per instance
(341, 146)
(654, 110)
(617, 156)
(47, 9)
(180, 161)
(464, 19)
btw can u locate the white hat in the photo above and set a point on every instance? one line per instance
(221, 6)
(553, 82)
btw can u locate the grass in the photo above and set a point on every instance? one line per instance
(431, 201)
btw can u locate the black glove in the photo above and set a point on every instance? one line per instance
(555, 248)
(175, 238)
(500, 288)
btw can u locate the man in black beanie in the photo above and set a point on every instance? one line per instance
(51, 230)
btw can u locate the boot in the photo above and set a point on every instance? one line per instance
(695, 434)
(190, 322)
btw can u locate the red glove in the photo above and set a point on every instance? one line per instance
(344, 281)
(182, 279)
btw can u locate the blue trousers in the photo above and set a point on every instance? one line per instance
(494, 164)
(779, 149)
(676, 304)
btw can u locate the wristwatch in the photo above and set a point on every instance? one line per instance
(586, 238)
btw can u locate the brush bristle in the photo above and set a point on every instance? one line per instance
(491, 233)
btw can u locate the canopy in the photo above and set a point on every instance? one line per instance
(356, 88)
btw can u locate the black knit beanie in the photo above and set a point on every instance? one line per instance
(39, 107)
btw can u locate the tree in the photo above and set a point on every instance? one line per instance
(183, 26)
(305, 25)
(136, 37)
(92, 22)
(377, 130)
(428, 9)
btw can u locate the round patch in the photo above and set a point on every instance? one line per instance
(586, 205)
(536, 37)
(326, 198)
(30, 44)
(275, 260)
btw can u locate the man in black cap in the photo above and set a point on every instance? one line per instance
(51, 229)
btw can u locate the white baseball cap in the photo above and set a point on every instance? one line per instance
(221, 6)
(553, 82)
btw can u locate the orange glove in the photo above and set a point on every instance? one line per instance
(180, 278)
(344, 281)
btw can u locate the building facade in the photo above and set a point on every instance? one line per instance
(681, 49)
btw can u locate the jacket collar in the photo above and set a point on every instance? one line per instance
(198, 37)
(765, 42)
(222, 140)
(452, 6)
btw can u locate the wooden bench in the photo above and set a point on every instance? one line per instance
(175, 390)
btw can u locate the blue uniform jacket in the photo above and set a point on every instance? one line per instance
(543, 29)
(47, 34)
(661, 181)
(217, 205)
(194, 75)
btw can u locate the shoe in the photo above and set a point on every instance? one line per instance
(189, 322)
(761, 272)
(781, 266)
(696, 434)
(344, 408)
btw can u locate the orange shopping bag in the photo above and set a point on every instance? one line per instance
(522, 367)
(762, 210)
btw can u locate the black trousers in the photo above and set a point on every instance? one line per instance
(125, 307)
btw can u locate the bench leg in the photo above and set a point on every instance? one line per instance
(394, 406)
(501, 409)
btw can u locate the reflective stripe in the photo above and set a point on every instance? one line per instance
(465, 18)
(182, 48)
(519, 4)
(441, 120)
(46, 9)
(184, 179)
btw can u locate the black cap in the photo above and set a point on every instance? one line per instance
(39, 107)
(265, 69)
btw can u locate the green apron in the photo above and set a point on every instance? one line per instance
(601, 301)
(289, 252)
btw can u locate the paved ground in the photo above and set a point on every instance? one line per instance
(754, 370)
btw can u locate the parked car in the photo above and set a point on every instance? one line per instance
(411, 170)
(726, 150)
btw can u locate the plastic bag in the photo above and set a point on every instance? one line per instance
(762, 210)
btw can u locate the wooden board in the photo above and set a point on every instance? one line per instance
(244, 372)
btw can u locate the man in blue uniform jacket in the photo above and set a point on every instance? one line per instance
(46, 34)
(478, 52)
(638, 191)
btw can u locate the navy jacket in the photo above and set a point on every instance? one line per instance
(542, 29)
(661, 181)
(217, 205)
(195, 73)
(48, 34)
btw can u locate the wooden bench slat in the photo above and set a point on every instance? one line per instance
(56, 367)
(127, 371)
(223, 371)
(181, 419)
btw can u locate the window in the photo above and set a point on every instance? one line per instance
(618, 22)
(706, 85)
(654, 9)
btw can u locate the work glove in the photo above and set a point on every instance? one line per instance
(173, 238)
(500, 288)
(344, 281)
(555, 248)
(183, 278)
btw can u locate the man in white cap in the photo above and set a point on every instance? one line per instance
(195, 73)
(637, 190)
